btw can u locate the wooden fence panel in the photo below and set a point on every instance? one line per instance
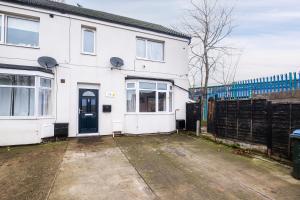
(280, 129)
(259, 121)
(244, 120)
(220, 118)
(231, 119)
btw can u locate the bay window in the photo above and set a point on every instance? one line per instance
(150, 49)
(17, 95)
(149, 97)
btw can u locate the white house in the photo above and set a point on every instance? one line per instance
(85, 95)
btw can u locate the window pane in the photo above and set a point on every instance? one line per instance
(162, 101)
(6, 79)
(155, 50)
(141, 48)
(23, 101)
(147, 101)
(19, 80)
(170, 102)
(45, 82)
(24, 80)
(45, 108)
(22, 32)
(5, 99)
(147, 85)
(88, 94)
(131, 101)
(88, 41)
(162, 86)
(130, 85)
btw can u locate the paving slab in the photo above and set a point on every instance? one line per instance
(95, 168)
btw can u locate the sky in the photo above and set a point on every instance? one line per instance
(267, 32)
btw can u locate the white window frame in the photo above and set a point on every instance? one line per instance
(36, 88)
(137, 91)
(51, 99)
(23, 18)
(2, 28)
(134, 89)
(84, 28)
(146, 46)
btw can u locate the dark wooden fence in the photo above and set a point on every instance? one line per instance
(193, 113)
(255, 121)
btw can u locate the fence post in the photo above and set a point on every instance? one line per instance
(237, 118)
(290, 131)
(251, 125)
(269, 132)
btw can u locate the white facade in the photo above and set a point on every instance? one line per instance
(60, 37)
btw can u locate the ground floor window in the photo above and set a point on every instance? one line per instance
(45, 97)
(17, 95)
(149, 96)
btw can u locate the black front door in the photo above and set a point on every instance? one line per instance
(88, 111)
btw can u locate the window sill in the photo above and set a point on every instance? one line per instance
(24, 118)
(22, 46)
(150, 113)
(88, 54)
(149, 60)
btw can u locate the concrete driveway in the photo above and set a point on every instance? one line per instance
(167, 167)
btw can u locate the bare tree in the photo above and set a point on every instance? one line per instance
(209, 22)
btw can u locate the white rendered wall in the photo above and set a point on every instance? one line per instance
(60, 37)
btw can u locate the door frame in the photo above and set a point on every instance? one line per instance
(91, 86)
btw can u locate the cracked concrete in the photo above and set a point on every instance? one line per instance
(167, 167)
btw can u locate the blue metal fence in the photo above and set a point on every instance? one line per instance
(247, 88)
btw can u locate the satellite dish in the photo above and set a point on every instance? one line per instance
(116, 62)
(47, 62)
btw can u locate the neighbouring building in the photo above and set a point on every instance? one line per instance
(85, 95)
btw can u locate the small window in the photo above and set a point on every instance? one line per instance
(88, 41)
(147, 85)
(130, 85)
(150, 49)
(23, 32)
(88, 94)
(162, 86)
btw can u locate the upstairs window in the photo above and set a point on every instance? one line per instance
(88, 41)
(22, 32)
(150, 49)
